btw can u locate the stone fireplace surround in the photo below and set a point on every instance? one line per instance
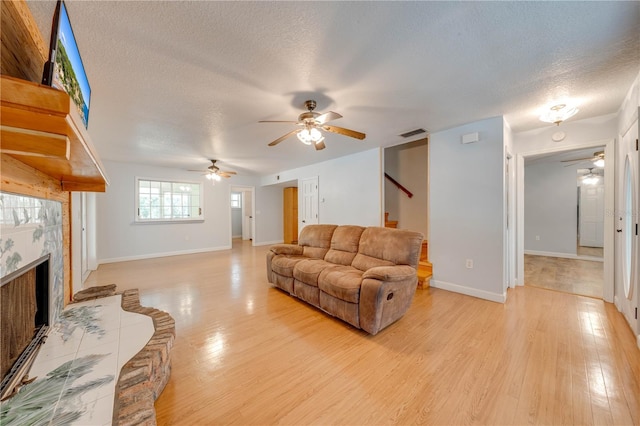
(31, 227)
(143, 378)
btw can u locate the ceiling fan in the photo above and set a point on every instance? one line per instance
(590, 178)
(214, 172)
(311, 124)
(597, 159)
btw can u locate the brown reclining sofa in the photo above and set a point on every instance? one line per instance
(365, 276)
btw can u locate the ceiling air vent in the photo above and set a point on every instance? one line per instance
(413, 133)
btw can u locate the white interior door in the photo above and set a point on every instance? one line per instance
(627, 285)
(309, 202)
(247, 213)
(592, 215)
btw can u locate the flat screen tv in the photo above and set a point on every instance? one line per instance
(64, 70)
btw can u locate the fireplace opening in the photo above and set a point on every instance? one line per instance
(24, 322)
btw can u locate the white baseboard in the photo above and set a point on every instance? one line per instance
(469, 291)
(165, 254)
(563, 255)
(267, 243)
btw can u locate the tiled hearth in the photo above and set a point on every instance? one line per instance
(101, 364)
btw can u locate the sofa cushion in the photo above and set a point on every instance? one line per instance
(346, 311)
(342, 282)
(283, 265)
(316, 240)
(308, 270)
(344, 244)
(308, 293)
(386, 247)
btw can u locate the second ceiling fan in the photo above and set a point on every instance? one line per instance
(311, 124)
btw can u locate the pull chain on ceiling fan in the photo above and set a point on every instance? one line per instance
(311, 126)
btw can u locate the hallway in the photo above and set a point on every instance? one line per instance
(581, 277)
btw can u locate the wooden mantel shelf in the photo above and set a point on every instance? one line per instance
(40, 127)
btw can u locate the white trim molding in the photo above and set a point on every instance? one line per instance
(267, 243)
(165, 254)
(470, 291)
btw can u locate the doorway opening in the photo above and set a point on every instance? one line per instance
(242, 202)
(558, 214)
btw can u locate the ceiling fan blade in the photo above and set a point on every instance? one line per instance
(343, 131)
(224, 174)
(327, 116)
(320, 145)
(281, 138)
(277, 121)
(203, 171)
(580, 159)
(577, 163)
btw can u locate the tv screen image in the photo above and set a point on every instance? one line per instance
(65, 69)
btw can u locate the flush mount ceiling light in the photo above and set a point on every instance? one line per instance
(558, 113)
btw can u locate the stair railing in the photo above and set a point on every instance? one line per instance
(400, 187)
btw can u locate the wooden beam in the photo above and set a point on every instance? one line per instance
(84, 186)
(23, 51)
(33, 143)
(41, 116)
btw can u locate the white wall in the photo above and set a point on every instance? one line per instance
(467, 210)
(120, 238)
(550, 203)
(269, 214)
(350, 188)
(407, 164)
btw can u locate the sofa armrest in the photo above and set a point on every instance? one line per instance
(390, 273)
(287, 249)
(384, 302)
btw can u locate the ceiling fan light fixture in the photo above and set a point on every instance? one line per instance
(310, 135)
(558, 113)
(590, 180)
(599, 163)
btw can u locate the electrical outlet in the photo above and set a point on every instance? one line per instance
(537, 237)
(469, 264)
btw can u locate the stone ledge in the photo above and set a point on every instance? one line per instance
(144, 376)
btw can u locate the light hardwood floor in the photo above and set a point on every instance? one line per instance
(246, 353)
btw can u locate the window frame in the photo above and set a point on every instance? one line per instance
(140, 220)
(231, 200)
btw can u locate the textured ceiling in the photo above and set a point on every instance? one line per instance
(176, 83)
